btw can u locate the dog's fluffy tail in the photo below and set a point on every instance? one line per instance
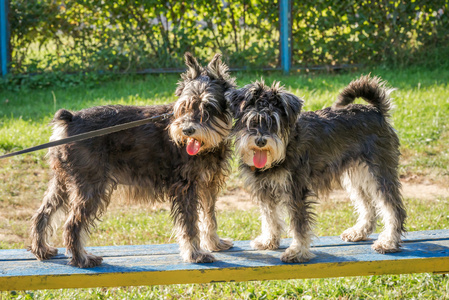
(62, 116)
(372, 89)
(60, 122)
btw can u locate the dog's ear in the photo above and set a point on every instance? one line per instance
(236, 100)
(292, 104)
(219, 71)
(216, 68)
(193, 68)
(193, 71)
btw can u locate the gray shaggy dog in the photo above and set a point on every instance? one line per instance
(287, 157)
(183, 159)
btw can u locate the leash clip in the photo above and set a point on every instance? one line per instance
(166, 116)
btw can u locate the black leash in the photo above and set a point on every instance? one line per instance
(90, 134)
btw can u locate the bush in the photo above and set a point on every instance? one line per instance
(125, 35)
(137, 35)
(397, 33)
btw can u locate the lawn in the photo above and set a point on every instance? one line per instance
(420, 117)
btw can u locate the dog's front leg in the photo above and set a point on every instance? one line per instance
(185, 213)
(208, 225)
(301, 220)
(272, 223)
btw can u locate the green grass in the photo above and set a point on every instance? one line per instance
(423, 286)
(421, 117)
(24, 115)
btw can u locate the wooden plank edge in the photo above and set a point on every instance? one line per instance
(163, 249)
(281, 272)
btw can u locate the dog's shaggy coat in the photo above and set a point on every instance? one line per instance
(183, 159)
(288, 157)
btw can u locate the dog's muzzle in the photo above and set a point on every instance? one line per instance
(261, 142)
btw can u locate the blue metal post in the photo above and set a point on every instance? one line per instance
(4, 36)
(285, 25)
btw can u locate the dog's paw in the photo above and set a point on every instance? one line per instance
(219, 245)
(44, 252)
(225, 244)
(262, 243)
(296, 255)
(353, 235)
(383, 246)
(199, 257)
(87, 261)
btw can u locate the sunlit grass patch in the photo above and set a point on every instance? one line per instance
(420, 116)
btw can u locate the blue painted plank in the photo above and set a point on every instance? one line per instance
(162, 249)
(244, 259)
(148, 265)
(149, 260)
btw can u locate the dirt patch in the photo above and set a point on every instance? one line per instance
(424, 191)
(239, 199)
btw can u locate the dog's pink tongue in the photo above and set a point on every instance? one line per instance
(260, 158)
(193, 146)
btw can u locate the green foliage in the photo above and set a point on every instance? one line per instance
(396, 33)
(124, 35)
(137, 35)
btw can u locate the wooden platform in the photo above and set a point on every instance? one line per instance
(423, 252)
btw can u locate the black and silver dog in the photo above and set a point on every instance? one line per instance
(183, 159)
(288, 157)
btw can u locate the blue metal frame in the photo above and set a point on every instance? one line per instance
(4, 37)
(285, 25)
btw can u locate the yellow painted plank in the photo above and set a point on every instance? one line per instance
(279, 272)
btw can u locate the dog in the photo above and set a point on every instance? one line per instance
(289, 157)
(183, 159)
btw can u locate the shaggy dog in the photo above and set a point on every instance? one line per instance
(287, 157)
(183, 159)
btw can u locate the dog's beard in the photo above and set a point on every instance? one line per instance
(207, 135)
(262, 158)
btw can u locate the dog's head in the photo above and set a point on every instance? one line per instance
(264, 117)
(202, 116)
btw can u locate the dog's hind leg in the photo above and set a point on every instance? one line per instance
(87, 202)
(47, 218)
(301, 221)
(354, 181)
(388, 201)
(208, 226)
(76, 231)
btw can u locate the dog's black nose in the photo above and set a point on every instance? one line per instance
(260, 142)
(188, 131)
